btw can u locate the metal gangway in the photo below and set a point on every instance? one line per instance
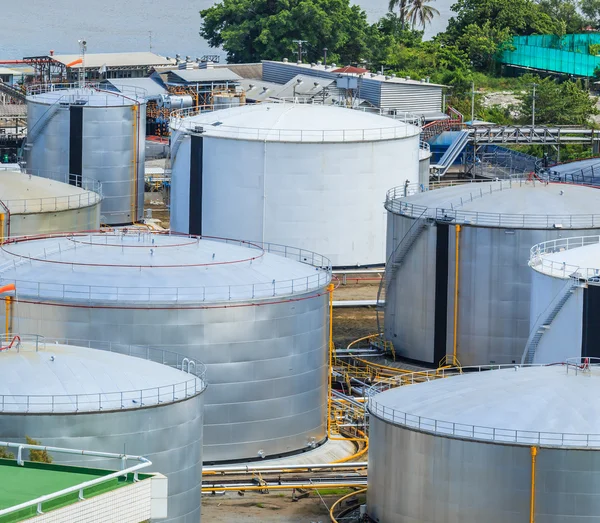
(452, 153)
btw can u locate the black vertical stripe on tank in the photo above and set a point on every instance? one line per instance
(441, 292)
(195, 203)
(590, 339)
(75, 144)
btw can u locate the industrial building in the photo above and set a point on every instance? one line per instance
(460, 253)
(385, 92)
(33, 205)
(256, 314)
(110, 397)
(516, 444)
(564, 300)
(93, 133)
(301, 174)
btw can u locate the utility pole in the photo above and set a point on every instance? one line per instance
(300, 51)
(325, 56)
(533, 107)
(472, 103)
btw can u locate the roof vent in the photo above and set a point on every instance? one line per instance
(312, 64)
(198, 129)
(393, 75)
(388, 77)
(407, 77)
(422, 80)
(215, 124)
(373, 75)
(427, 78)
(319, 62)
(333, 66)
(250, 87)
(285, 60)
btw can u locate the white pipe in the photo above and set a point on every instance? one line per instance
(356, 303)
(261, 468)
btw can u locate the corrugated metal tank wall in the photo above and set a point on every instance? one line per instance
(266, 365)
(321, 197)
(494, 292)
(416, 477)
(112, 152)
(169, 435)
(83, 219)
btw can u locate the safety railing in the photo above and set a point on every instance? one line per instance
(105, 401)
(197, 294)
(474, 432)
(73, 93)
(451, 212)
(121, 464)
(182, 120)
(538, 258)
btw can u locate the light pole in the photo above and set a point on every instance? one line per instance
(533, 106)
(300, 52)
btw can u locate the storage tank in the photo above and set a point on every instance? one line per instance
(468, 245)
(112, 396)
(565, 297)
(516, 444)
(93, 133)
(307, 175)
(34, 205)
(255, 314)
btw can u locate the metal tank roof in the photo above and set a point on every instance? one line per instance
(26, 194)
(292, 122)
(44, 376)
(138, 266)
(90, 96)
(568, 258)
(507, 204)
(548, 405)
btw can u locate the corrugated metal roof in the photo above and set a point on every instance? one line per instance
(150, 85)
(245, 70)
(7, 110)
(8, 71)
(203, 75)
(97, 60)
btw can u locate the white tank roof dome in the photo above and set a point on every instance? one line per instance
(25, 194)
(138, 266)
(85, 96)
(42, 376)
(509, 203)
(294, 122)
(550, 405)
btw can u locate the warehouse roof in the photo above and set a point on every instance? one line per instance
(296, 122)
(220, 74)
(140, 266)
(532, 405)
(512, 203)
(49, 377)
(97, 60)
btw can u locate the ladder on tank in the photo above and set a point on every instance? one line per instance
(544, 321)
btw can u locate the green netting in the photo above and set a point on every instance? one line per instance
(569, 54)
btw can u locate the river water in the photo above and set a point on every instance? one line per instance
(37, 26)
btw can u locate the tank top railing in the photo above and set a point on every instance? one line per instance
(538, 259)
(104, 401)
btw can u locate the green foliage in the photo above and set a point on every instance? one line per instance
(41, 456)
(4, 454)
(254, 30)
(591, 9)
(594, 49)
(483, 43)
(565, 103)
(566, 11)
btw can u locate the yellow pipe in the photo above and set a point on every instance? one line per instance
(279, 487)
(330, 288)
(358, 454)
(331, 516)
(456, 274)
(534, 451)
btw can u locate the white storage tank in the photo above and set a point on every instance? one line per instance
(308, 175)
(565, 300)
(255, 314)
(92, 133)
(32, 205)
(493, 446)
(112, 396)
(457, 279)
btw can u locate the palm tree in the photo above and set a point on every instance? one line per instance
(419, 13)
(403, 6)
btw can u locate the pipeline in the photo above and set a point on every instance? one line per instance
(534, 451)
(309, 467)
(11, 287)
(456, 275)
(290, 486)
(339, 501)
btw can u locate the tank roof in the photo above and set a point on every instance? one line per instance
(548, 405)
(133, 265)
(293, 122)
(507, 204)
(26, 194)
(46, 376)
(93, 96)
(568, 258)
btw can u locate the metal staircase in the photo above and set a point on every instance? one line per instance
(545, 320)
(41, 124)
(396, 259)
(12, 92)
(454, 150)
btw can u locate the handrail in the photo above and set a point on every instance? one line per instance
(204, 294)
(468, 431)
(180, 121)
(540, 263)
(103, 401)
(39, 501)
(96, 87)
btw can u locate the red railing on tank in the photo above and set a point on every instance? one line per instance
(454, 123)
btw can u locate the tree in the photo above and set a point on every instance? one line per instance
(41, 456)
(5, 454)
(566, 11)
(254, 30)
(591, 9)
(483, 44)
(402, 6)
(420, 13)
(565, 103)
